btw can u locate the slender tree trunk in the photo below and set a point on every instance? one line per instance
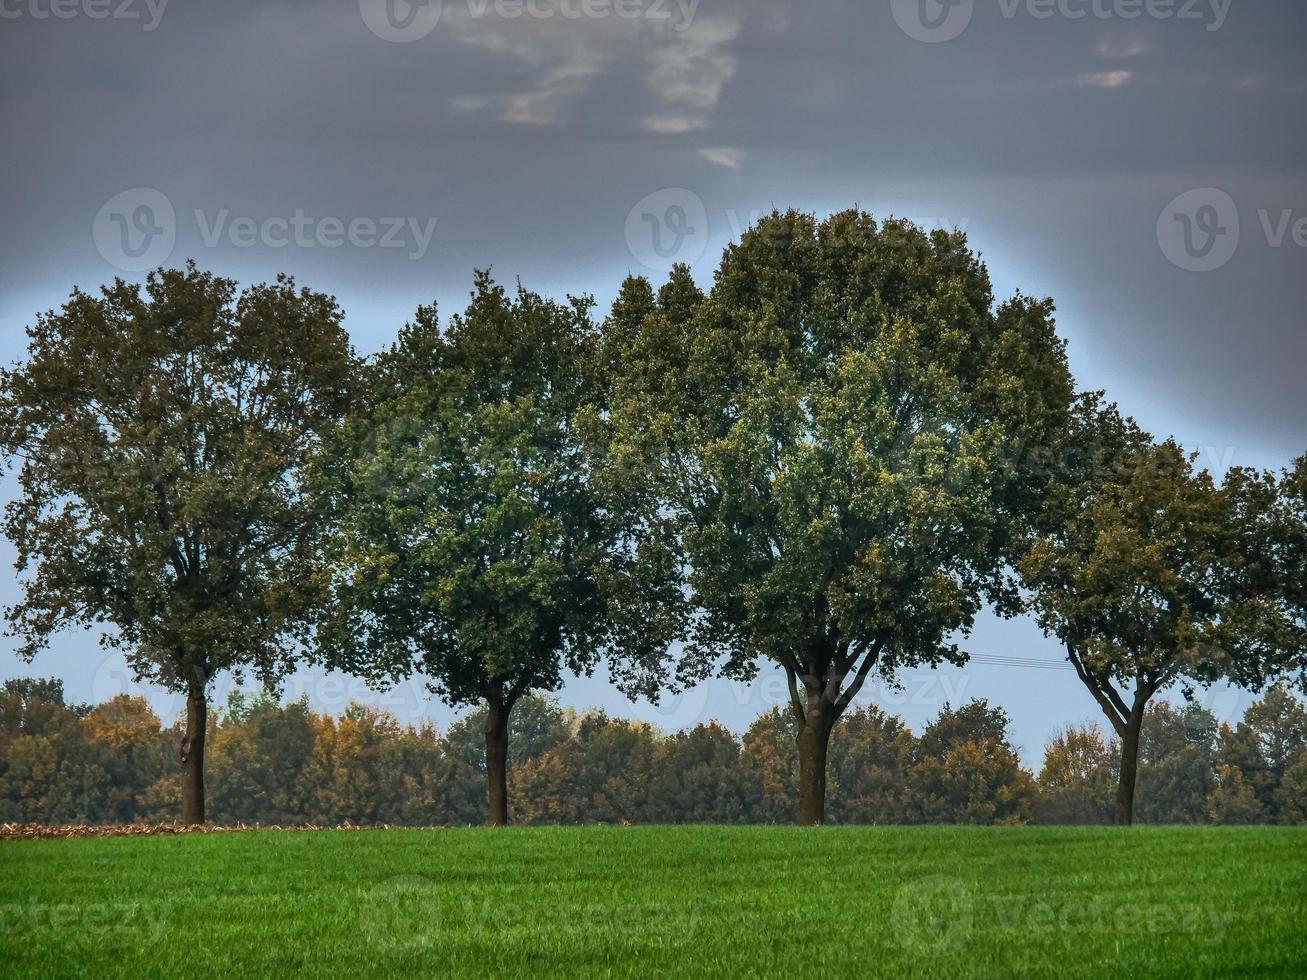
(192, 758)
(497, 713)
(814, 739)
(1126, 723)
(1125, 784)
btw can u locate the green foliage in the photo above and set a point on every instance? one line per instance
(834, 434)
(1177, 760)
(1078, 778)
(871, 757)
(966, 771)
(1127, 573)
(1232, 800)
(1135, 565)
(1265, 579)
(123, 735)
(828, 461)
(1291, 795)
(64, 763)
(259, 753)
(1263, 747)
(535, 726)
(837, 423)
(697, 779)
(770, 757)
(162, 433)
(471, 542)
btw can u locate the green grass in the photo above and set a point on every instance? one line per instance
(698, 901)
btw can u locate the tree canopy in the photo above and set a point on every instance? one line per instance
(472, 544)
(162, 433)
(1138, 570)
(836, 434)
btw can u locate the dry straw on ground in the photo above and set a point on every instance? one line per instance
(35, 831)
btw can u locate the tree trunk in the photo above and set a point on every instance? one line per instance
(1125, 785)
(192, 758)
(814, 738)
(1126, 724)
(497, 761)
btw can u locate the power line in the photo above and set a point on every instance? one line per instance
(1003, 660)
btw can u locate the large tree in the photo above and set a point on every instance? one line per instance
(162, 433)
(836, 435)
(473, 543)
(1138, 569)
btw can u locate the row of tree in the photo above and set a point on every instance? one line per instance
(831, 461)
(285, 764)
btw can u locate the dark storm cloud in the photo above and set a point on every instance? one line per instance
(1055, 131)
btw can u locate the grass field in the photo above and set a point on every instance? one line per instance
(600, 901)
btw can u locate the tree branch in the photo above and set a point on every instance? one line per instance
(871, 656)
(1108, 699)
(795, 701)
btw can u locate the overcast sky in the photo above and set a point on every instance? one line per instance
(1144, 162)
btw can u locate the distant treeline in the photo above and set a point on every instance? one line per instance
(286, 764)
